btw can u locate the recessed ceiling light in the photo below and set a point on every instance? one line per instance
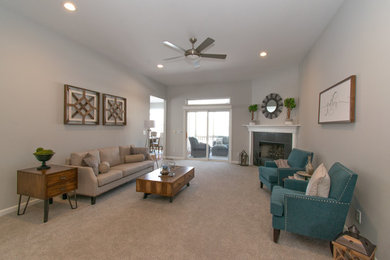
(263, 54)
(70, 6)
(160, 66)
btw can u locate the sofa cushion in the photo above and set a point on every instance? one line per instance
(130, 168)
(110, 155)
(277, 199)
(104, 167)
(270, 174)
(140, 150)
(132, 158)
(319, 184)
(123, 151)
(93, 162)
(109, 177)
(76, 159)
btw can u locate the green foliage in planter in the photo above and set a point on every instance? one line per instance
(290, 103)
(41, 151)
(252, 108)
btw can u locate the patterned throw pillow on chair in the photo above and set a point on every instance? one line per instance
(319, 184)
(282, 163)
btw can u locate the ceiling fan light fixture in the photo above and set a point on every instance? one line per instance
(192, 56)
(263, 54)
(160, 66)
(70, 6)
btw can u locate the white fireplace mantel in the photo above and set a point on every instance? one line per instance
(292, 129)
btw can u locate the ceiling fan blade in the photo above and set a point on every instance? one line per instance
(173, 58)
(173, 46)
(206, 43)
(215, 56)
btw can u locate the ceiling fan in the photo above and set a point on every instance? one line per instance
(194, 53)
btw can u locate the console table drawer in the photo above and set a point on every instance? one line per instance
(63, 177)
(61, 188)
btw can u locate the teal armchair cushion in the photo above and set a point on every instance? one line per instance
(298, 185)
(270, 175)
(317, 217)
(298, 158)
(314, 216)
(277, 199)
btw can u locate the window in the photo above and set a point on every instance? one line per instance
(217, 101)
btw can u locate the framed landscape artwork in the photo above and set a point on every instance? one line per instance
(114, 110)
(81, 106)
(337, 103)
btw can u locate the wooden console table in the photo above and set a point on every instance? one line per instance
(46, 184)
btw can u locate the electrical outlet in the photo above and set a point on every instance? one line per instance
(358, 216)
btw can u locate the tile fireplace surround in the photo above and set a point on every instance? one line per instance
(292, 129)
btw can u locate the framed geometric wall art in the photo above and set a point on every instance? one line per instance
(114, 110)
(81, 106)
(337, 103)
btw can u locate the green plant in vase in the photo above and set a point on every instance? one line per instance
(289, 103)
(253, 108)
(43, 155)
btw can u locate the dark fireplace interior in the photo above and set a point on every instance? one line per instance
(270, 146)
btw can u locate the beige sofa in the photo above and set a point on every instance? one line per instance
(92, 185)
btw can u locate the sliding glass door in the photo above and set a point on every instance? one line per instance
(197, 134)
(208, 134)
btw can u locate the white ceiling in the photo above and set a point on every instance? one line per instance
(131, 32)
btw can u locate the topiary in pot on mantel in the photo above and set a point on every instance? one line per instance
(252, 109)
(289, 103)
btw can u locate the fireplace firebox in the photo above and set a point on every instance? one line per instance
(270, 146)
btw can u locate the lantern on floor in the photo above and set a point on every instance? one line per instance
(351, 245)
(244, 158)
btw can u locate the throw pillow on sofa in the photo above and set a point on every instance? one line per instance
(91, 161)
(134, 158)
(123, 151)
(319, 184)
(140, 150)
(104, 167)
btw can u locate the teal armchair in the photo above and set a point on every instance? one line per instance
(313, 216)
(270, 175)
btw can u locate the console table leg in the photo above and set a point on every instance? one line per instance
(50, 200)
(25, 206)
(188, 184)
(146, 195)
(75, 200)
(46, 211)
(170, 199)
(64, 196)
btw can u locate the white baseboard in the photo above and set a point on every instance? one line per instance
(15, 208)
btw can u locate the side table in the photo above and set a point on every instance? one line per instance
(46, 184)
(305, 175)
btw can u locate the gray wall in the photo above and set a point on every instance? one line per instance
(240, 94)
(356, 42)
(284, 82)
(34, 65)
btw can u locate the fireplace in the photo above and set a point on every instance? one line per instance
(270, 146)
(290, 131)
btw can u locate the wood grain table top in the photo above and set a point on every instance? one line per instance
(53, 169)
(157, 177)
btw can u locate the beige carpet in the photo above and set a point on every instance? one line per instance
(222, 215)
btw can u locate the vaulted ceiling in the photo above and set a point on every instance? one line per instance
(131, 32)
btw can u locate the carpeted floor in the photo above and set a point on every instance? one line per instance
(222, 215)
